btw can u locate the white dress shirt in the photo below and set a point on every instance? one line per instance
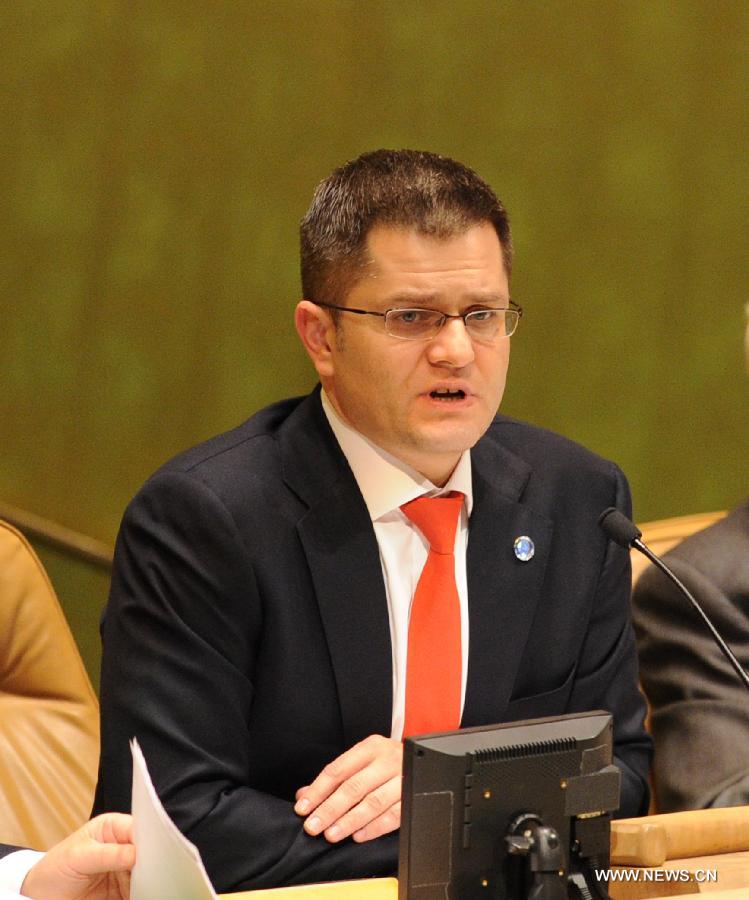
(386, 484)
(13, 869)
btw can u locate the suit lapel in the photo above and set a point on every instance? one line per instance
(341, 549)
(503, 592)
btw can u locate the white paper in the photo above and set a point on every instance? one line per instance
(167, 865)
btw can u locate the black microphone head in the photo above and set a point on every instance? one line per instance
(618, 527)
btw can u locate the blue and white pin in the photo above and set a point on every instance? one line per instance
(524, 548)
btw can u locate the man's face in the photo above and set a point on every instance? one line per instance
(387, 388)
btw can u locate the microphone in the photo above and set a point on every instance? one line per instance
(625, 533)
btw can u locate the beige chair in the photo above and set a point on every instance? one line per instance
(664, 534)
(49, 719)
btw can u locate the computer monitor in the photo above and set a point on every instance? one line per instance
(506, 812)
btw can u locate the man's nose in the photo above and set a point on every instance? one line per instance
(452, 346)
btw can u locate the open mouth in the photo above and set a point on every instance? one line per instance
(447, 396)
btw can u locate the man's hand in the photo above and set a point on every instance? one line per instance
(358, 794)
(92, 864)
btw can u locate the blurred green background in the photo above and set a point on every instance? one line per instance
(158, 156)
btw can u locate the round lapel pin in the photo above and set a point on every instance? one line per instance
(524, 548)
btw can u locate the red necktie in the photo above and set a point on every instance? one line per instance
(434, 663)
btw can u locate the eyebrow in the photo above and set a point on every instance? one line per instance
(410, 298)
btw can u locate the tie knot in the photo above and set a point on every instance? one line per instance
(436, 518)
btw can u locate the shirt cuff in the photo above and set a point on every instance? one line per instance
(13, 869)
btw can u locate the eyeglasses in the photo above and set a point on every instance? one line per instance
(423, 324)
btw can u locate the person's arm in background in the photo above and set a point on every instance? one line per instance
(94, 863)
(698, 704)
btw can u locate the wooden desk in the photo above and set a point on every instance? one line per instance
(369, 889)
(732, 883)
(733, 871)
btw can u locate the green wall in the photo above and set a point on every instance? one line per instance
(158, 156)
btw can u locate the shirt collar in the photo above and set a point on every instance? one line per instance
(386, 483)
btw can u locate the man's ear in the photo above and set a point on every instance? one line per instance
(317, 332)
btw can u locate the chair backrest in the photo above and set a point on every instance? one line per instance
(664, 534)
(49, 718)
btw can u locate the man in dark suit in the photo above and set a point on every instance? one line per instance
(258, 639)
(94, 863)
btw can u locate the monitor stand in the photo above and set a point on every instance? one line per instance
(544, 879)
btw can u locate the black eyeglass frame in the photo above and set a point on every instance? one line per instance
(513, 307)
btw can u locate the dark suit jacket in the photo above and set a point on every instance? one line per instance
(700, 709)
(5, 850)
(246, 641)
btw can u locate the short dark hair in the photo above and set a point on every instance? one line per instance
(400, 188)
